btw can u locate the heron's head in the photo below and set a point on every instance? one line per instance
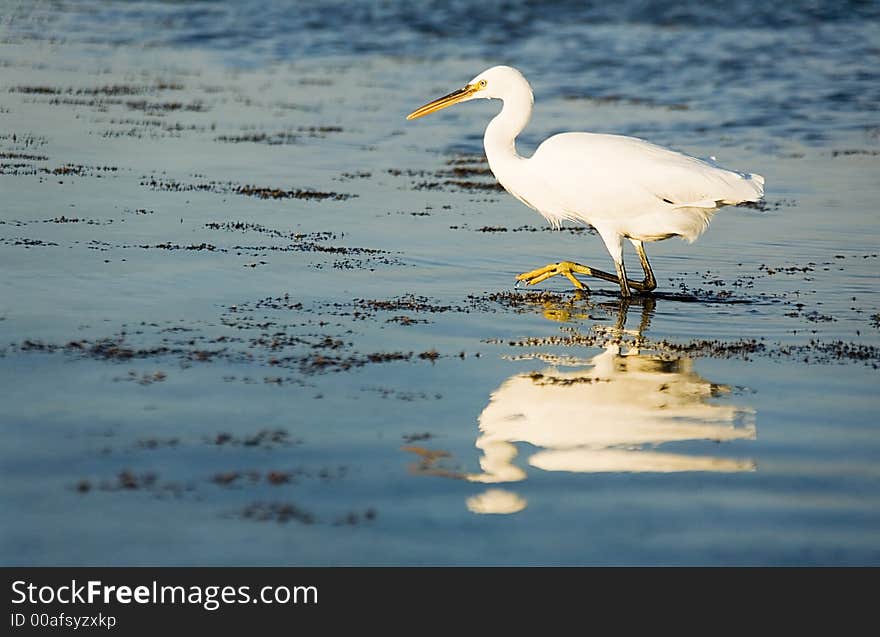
(499, 82)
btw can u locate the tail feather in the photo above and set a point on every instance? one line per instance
(756, 183)
(731, 188)
(694, 216)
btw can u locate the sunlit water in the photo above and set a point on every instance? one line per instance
(342, 373)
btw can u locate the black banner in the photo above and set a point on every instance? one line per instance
(147, 600)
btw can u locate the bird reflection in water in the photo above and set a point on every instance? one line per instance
(609, 414)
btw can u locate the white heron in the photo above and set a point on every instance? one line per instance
(625, 187)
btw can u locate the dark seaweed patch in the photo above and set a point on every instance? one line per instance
(767, 206)
(35, 90)
(165, 107)
(281, 137)
(459, 184)
(407, 302)
(418, 437)
(107, 89)
(246, 226)
(463, 172)
(144, 378)
(855, 152)
(265, 438)
(29, 243)
(280, 512)
(629, 101)
(24, 156)
(261, 192)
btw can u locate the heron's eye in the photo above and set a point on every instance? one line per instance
(483, 83)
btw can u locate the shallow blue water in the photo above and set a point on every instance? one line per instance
(191, 375)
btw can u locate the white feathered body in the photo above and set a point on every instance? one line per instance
(624, 186)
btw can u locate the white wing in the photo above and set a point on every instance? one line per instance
(631, 186)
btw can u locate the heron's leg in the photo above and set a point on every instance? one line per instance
(614, 243)
(542, 274)
(565, 268)
(568, 269)
(650, 282)
(621, 277)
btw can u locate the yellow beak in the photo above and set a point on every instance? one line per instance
(443, 102)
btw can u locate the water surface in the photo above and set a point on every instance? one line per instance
(250, 315)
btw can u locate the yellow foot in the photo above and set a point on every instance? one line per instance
(564, 313)
(564, 268)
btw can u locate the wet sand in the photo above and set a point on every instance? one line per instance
(252, 316)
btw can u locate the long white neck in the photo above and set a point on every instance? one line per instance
(500, 138)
